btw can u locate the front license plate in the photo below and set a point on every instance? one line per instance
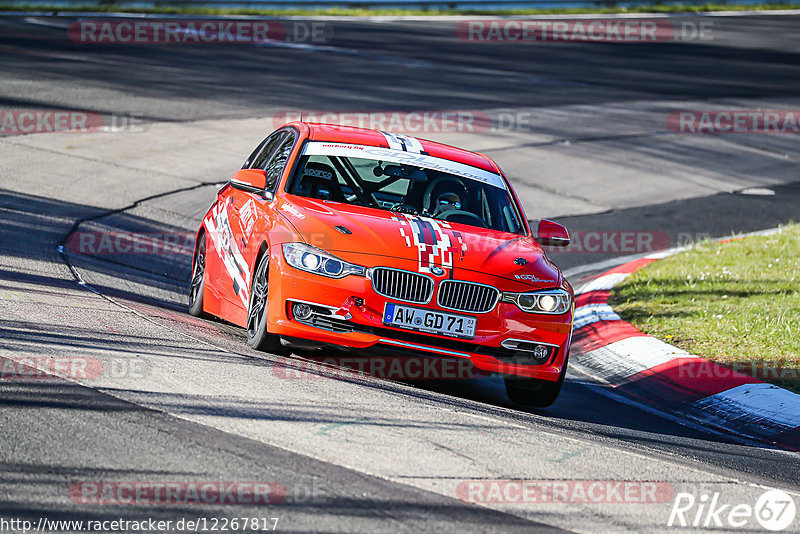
(433, 322)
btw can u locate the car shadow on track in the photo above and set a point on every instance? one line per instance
(63, 463)
(32, 228)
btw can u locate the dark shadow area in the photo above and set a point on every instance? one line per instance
(32, 228)
(156, 275)
(21, 336)
(156, 449)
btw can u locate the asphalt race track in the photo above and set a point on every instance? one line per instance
(580, 128)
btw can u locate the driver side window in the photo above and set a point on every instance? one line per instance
(278, 161)
(261, 155)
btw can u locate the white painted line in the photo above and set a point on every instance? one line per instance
(755, 403)
(770, 231)
(604, 282)
(681, 419)
(601, 265)
(758, 191)
(762, 12)
(663, 254)
(648, 351)
(48, 23)
(622, 359)
(592, 313)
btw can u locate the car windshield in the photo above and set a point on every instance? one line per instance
(429, 187)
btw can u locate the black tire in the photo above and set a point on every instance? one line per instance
(257, 335)
(535, 392)
(197, 283)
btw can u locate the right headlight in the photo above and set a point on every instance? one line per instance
(313, 260)
(553, 301)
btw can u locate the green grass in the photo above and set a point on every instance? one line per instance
(735, 303)
(190, 10)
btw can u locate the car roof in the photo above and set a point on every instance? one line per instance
(367, 137)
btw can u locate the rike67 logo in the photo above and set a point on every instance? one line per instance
(774, 510)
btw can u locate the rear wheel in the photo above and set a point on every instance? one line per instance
(257, 335)
(535, 392)
(198, 278)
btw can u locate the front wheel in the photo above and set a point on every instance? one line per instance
(535, 392)
(198, 278)
(257, 335)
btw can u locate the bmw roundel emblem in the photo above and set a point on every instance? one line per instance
(438, 271)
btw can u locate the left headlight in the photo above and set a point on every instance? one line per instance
(553, 301)
(313, 260)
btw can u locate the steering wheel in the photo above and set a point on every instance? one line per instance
(447, 215)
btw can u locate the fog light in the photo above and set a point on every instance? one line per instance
(540, 353)
(301, 311)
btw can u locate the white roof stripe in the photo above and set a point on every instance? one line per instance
(412, 144)
(394, 143)
(403, 142)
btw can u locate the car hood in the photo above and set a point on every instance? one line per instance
(355, 232)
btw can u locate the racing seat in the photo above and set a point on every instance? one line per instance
(319, 180)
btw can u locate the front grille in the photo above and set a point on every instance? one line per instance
(402, 285)
(467, 296)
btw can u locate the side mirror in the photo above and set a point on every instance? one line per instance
(252, 180)
(552, 234)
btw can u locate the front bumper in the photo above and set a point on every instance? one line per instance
(361, 327)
